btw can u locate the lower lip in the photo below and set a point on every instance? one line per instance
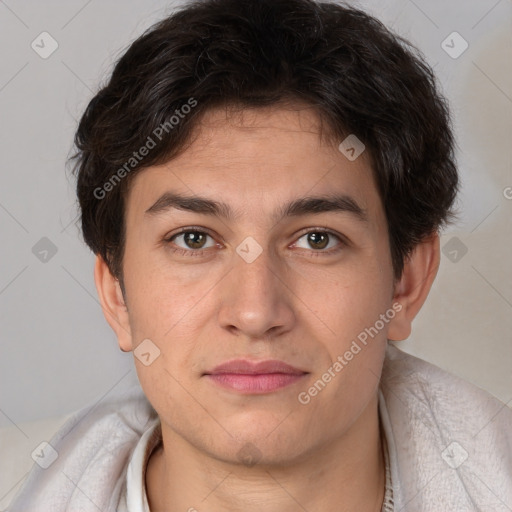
(259, 383)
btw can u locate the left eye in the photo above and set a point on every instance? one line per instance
(318, 240)
(192, 239)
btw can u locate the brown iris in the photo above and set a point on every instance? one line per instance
(318, 240)
(194, 239)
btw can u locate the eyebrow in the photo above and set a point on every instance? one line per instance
(298, 207)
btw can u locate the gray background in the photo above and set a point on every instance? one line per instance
(57, 351)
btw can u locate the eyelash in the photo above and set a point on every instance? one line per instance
(199, 252)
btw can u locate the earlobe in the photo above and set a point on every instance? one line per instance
(113, 304)
(413, 287)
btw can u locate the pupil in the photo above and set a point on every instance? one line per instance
(189, 237)
(314, 239)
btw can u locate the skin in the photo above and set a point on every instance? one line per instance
(295, 302)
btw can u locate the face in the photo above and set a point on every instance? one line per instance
(258, 280)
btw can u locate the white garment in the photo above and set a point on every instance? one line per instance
(449, 442)
(136, 497)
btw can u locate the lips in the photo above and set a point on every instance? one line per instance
(246, 367)
(249, 377)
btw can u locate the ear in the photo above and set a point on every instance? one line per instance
(113, 304)
(413, 287)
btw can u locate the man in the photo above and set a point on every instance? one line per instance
(263, 183)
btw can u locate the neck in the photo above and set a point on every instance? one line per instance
(347, 474)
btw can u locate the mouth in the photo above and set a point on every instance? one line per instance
(247, 377)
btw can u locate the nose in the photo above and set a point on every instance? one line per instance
(256, 300)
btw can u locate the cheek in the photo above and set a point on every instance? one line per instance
(166, 311)
(346, 299)
(355, 345)
(159, 294)
(352, 307)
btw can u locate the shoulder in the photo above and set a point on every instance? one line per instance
(451, 440)
(90, 452)
(433, 391)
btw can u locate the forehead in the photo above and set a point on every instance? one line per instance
(255, 159)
